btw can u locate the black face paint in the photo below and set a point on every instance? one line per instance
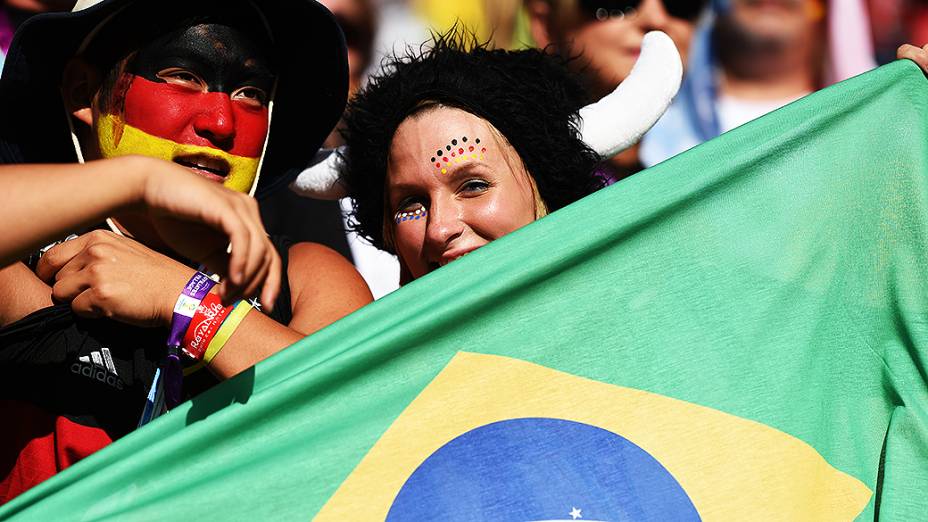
(223, 57)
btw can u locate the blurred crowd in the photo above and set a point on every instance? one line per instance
(743, 59)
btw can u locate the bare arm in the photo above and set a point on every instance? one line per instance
(21, 293)
(197, 218)
(105, 275)
(324, 288)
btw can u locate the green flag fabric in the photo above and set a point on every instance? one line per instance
(739, 333)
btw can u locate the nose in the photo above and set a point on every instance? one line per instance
(215, 121)
(652, 15)
(443, 225)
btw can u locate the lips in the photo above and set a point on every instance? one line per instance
(453, 256)
(208, 166)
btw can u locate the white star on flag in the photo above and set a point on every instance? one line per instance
(575, 513)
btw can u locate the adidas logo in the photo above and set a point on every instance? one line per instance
(99, 367)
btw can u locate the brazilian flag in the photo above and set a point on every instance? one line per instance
(739, 333)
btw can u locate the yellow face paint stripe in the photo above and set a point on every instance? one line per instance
(131, 140)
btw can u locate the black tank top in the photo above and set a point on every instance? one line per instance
(97, 372)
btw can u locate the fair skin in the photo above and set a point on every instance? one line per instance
(919, 55)
(608, 48)
(137, 280)
(774, 51)
(172, 198)
(481, 196)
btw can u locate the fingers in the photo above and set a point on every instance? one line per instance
(60, 256)
(918, 55)
(257, 282)
(251, 263)
(66, 289)
(258, 245)
(84, 304)
(252, 258)
(271, 288)
(241, 232)
(266, 279)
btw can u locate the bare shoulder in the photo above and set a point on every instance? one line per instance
(324, 286)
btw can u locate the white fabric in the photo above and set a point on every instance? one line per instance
(734, 112)
(618, 120)
(381, 270)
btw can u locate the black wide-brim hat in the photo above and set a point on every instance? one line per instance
(308, 51)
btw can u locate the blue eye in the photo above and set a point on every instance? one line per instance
(474, 185)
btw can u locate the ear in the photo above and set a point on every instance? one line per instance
(539, 22)
(80, 83)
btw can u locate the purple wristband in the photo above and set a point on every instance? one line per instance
(186, 305)
(172, 380)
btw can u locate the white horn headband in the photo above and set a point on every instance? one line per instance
(618, 121)
(322, 180)
(608, 126)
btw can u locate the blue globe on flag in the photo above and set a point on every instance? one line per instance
(541, 469)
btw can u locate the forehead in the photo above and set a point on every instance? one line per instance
(422, 136)
(208, 42)
(425, 140)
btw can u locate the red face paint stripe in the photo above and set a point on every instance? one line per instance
(209, 119)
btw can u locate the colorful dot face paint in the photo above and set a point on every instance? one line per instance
(457, 155)
(404, 216)
(197, 97)
(474, 202)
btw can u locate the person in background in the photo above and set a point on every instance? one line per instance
(753, 56)
(605, 39)
(358, 22)
(894, 22)
(15, 12)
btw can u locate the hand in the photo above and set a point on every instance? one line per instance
(918, 55)
(105, 275)
(198, 218)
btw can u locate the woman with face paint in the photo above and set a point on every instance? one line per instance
(459, 148)
(88, 338)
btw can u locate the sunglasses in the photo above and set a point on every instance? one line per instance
(602, 9)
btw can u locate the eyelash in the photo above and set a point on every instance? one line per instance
(469, 186)
(179, 74)
(474, 185)
(260, 99)
(408, 204)
(184, 75)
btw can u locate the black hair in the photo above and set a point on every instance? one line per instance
(528, 95)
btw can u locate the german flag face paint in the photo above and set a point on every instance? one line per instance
(197, 97)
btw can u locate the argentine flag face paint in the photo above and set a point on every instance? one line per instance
(197, 97)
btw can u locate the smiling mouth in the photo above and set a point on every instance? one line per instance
(444, 262)
(208, 166)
